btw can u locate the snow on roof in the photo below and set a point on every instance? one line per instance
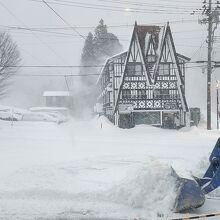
(56, 93)
(117, 55)
(47, 108)
(183, 57)
(109, 60)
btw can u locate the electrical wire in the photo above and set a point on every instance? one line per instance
(58, 15)
(142, 8)
(146, 4)
(82, 75)
(20, 21)
(67, 66)
(72, 27)
(117, 9)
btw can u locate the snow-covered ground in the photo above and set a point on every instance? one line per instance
(52, 114)
(93, 170)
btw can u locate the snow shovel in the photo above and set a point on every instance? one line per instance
(191, 192)
(189, 195)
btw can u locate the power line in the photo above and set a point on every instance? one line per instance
(146, 4)
(70, 66)
(67, 23)
(59, 27)
(31, 55)
(60, 34)
(20, 21)
(45, 30)
(117, 9)
(120, 2)
(195, 52)
(72, 27)
(83, 75)
(211, 18)
(178, 1)
(59, 75)
(67, 35)
(57, 14)
(55, 66)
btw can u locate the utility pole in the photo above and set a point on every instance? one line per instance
(209, 65)
(212, 20)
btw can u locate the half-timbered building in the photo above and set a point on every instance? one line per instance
(145, 84)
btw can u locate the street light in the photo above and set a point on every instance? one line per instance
(217, 87)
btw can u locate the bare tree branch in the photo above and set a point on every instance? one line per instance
(9, 58)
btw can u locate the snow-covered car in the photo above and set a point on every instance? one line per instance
(43, 116)
(17, 114)
(10, 114)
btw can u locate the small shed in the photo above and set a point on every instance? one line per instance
(57, 98)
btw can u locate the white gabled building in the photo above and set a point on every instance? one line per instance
(145, 84)
(57, 98)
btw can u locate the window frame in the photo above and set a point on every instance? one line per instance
(164, 71)
(134, 71)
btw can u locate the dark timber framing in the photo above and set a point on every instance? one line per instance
(149, 78)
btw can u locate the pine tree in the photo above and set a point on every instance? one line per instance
(99, 47)
(87, 56)
(106, 44)
(96, 50)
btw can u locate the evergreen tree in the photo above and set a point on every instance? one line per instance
(99, 47)
(87, 56)
(105, 44)
(96, 50)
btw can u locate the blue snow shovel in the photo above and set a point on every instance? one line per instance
(191, 192)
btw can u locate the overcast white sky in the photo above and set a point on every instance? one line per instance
(54, 49)
(65, 47)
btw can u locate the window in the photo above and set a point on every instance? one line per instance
(141, 94)
(165, 93)
(134, 69)
(157, 94)
(164, 69)
(161, 94)
(133, 94)
(111, 67)
(126, 94)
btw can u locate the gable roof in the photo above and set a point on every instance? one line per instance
(144, 35)
(135, 37)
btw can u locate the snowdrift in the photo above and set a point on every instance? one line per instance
(151, 187)
(16, 114)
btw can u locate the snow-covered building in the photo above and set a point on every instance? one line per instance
(145, 84)
(57, 98)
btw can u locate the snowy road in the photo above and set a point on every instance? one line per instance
(78, 170)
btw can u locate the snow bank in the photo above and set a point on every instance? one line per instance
(151, 188)
(9, 113)
(17, 114)
(102, 122)
(42, 116)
